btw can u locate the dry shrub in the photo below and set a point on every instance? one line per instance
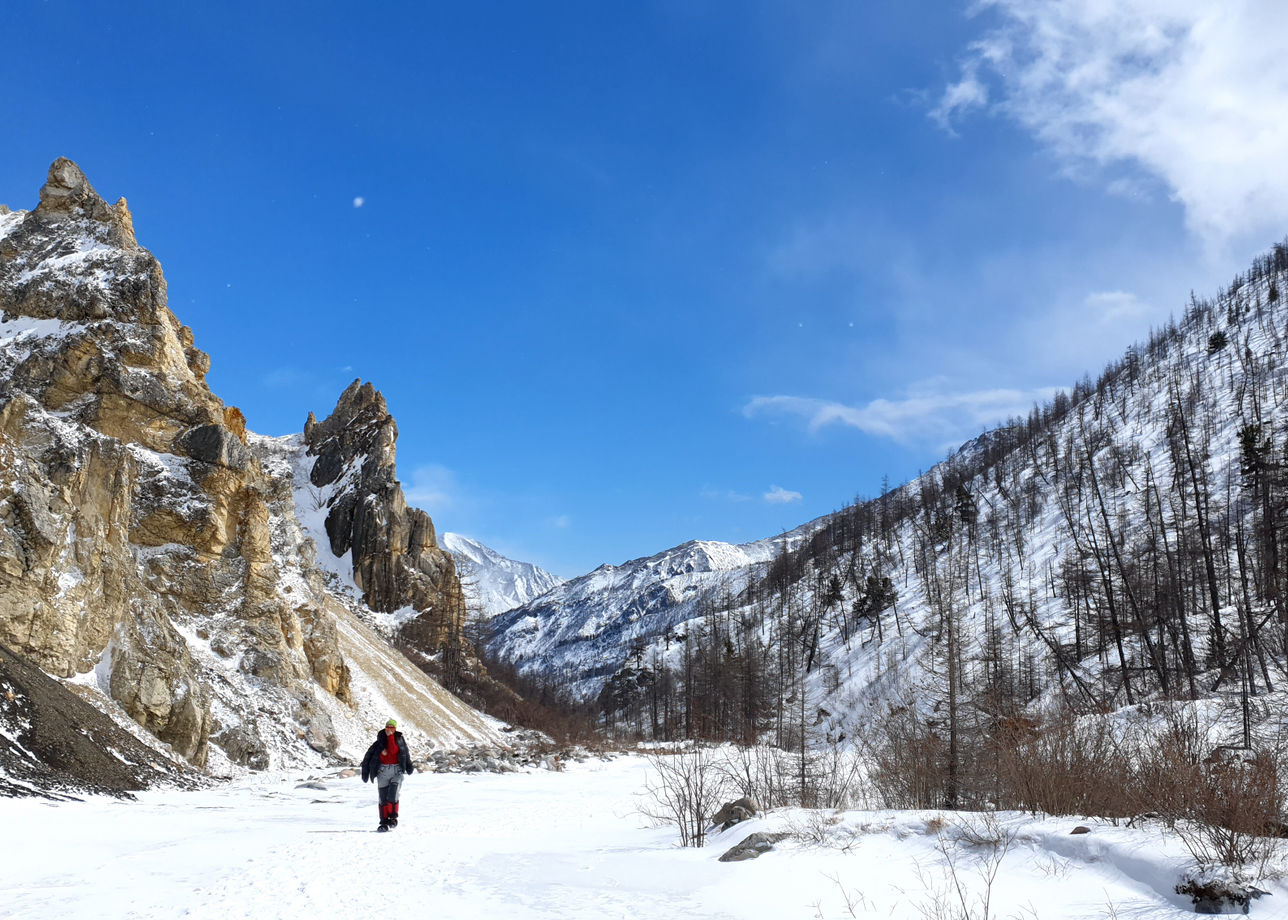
(771, 777)
(1225, 807)
(684, 789)
(1065, 767)
(1225, 804)
(907, 761)
(764, 774)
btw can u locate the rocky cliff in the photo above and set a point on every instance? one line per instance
(395, 558)
(148, 543)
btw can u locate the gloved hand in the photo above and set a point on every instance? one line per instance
(411, 768)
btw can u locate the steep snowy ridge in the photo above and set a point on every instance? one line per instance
(498, 582)
(582, 632)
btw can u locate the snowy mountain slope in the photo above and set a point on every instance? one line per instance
(1125, 542)
(1121, 544)
(582, 631)
(383, 682)
(498, 582)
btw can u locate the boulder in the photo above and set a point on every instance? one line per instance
(734, 812)
(752, 846)
(1212, 895)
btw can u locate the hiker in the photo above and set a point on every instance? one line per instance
(387, 761)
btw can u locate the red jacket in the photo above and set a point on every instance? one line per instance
(371, 762)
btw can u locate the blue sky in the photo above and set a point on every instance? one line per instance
(632, 274)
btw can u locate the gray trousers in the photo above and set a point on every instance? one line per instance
(389, 780)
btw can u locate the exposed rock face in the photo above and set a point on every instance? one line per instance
(134, 519)
(397, 562)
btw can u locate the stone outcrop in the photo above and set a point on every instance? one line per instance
(752, 846)
(397, 562)
(136, 529)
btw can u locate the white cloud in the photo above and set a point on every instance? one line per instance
(432, 487)
(359, 201)
(932, 411)
(726, 495)
(286, 377)
(561, 521)
(1111, 307)
(1190, 91)
(777, 495)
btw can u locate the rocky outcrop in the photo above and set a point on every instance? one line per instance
(135, 531)
(396, 560)
(752, 846)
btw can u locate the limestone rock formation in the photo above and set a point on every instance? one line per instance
(396, 560)
(146, 538)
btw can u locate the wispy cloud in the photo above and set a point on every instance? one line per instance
(287, 377)
(725, 495)
(931, 412)
(1108, 308)
(561, 521)
(777, 495)
(1189, 91)
(432, 487)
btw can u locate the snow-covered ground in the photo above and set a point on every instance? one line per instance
(542, 844)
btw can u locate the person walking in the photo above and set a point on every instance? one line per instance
(387, 761)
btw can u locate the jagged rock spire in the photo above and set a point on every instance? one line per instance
(393, 548)
(68, 193)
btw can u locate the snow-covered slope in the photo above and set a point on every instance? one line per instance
(581, 632)
(1121, 544)
(497, 582)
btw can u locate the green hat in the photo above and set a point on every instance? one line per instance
(393, 722)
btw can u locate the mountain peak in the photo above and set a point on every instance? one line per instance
(68, 193)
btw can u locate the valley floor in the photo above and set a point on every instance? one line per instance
(546, 845)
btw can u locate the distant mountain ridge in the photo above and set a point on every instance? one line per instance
(581, 632)
(497, 582)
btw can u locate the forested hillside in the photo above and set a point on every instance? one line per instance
(1125, 543)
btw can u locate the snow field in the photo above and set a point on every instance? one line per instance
(545, 845)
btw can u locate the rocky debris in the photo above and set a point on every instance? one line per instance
(55, 744)
(1081, 829)
(753, 846)
(735, 812)
(396, 559)
(482, 758)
